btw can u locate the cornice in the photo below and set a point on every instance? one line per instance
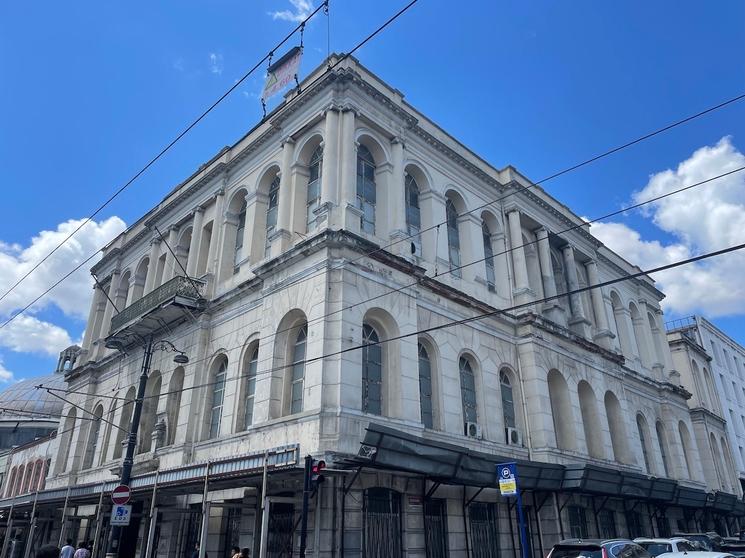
(638, 282)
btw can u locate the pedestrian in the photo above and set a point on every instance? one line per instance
(68, 550)
(235, 552)
(195, 554)
(82, 551)
(48, 551)
(245, 552)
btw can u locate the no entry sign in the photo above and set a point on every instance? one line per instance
(120, 494)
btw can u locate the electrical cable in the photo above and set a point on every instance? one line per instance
(163, 151)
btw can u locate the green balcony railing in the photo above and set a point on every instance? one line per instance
(185, 287)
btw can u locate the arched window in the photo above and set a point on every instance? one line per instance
(561, 410)
(11, 482)
(488, 256)
(685, 444)
(451, 215)
(239, 232)
(218, 398)
(298, 370)
(249, 371)
(641, 426)
(95, 429)
(125, 422)
(173, 403)
(425, 387)
(413, 215)
(467, 390)
(313, 199)
(372, 371)
(149, 412)
(662, 441)
(508, 399)
(366, 189)
(617, 429)
(271, 213)
(66, 440)
(590, 420)
(19, 481)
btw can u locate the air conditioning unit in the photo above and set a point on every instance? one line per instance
(512, 437)
(473, 430)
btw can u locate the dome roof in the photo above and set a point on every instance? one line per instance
(24, 398)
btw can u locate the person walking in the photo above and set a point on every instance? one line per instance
(245, 552)
(68, 550)
(82, 551)
(235, 552)
(48, 551)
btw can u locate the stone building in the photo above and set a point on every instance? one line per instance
(713, 363)
(278, 259)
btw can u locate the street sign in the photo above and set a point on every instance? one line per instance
(120, 515)
(507, 479)
(120, 495)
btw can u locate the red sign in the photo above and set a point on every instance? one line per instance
(120, 495)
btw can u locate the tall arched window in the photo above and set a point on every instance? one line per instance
(239, 231)
(66, 441)
(662, 441)
(451, 215)
(149, 412)
(366, 190)
(425, 387)
(617, 429)
(173, 403)
(413, 215)
(298, 370)
(372, 371)
(271, 213)
(488, 256)
(508, 399)
(641, 426)
(249, 371)
(95, 429)
(11, 482)
(685, 444)
(125, 422)
(217, 399)
(313, 199)
(590, 419)
(561, 410)
(468, 390)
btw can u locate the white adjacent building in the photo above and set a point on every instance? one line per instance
(283, 254)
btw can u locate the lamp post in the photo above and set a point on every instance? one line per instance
(180, 358)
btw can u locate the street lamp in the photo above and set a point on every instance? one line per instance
(118, 343)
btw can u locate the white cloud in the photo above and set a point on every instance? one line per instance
(73, 295)
(303, 8)
(703, 219)
(28, 334)
(178, 64)
(5, 374)
(216, 63)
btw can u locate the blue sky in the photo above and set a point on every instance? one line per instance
(91, 90)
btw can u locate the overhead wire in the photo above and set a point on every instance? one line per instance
(493, 313)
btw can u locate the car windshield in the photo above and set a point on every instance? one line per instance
(576, 552)
(657, 548)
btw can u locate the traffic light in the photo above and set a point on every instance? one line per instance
(316, 473)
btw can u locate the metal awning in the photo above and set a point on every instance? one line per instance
(225, 473)
(388, 448)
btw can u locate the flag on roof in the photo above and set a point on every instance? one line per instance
(282, 72)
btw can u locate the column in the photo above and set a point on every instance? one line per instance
(196, 241)
(604, 335)
(653, 347)
(397, 200)
(519, 265)
(283, 234)
(434, 248)
(552, 309)
(172, 267)
(348, 167)
(329, 167)
(152, 267)
(92, 314)
(578, 322)
(213, 255)
(471, 246)
(251, 252)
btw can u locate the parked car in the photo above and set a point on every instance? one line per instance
(710, 541)
(697, 554)
(661, 546)
(736, 548)
(598, 548)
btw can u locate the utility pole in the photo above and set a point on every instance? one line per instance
(306, 495)
(115, 534)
